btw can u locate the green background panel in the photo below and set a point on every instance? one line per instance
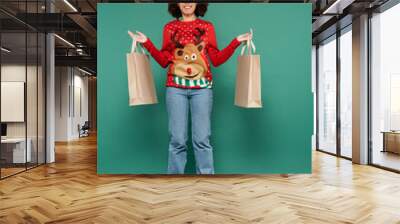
(274, 139)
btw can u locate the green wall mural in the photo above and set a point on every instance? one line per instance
(274, 139)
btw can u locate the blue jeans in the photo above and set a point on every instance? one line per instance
(199, 102)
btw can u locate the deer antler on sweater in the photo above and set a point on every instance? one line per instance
(198, 35)
(175, 40)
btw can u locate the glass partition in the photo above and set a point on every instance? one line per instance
(22, 77)
(14, 153)
(32, 95)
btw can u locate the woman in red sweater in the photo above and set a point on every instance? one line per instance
(187, 41)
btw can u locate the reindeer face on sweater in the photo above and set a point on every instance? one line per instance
(188, 62)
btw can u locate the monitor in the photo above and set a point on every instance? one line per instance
(3, 129)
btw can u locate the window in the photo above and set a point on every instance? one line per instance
(346, 92)
(327, 95)
(385, 89)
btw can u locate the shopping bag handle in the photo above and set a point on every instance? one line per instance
(135, 46)
(249, 44)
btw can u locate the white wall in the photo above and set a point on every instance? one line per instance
(71, 93)
(79, 117)
(62, 82)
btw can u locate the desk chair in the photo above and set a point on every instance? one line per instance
(84, 130)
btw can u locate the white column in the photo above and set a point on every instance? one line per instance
(360, 90)
(314, 92)
(50, 93)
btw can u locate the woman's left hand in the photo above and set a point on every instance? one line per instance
(244, 37)
(138, 36)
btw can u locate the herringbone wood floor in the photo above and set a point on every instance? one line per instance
(69, 191)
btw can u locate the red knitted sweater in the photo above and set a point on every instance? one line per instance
(185, 48)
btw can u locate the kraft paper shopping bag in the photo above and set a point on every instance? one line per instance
(248, 78)
(140, 78)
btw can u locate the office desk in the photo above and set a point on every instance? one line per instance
(391, 141)
(13, 150)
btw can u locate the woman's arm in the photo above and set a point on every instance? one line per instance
(217, 56)
(163, 56)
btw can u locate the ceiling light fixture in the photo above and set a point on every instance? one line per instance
(64, 40)
(79, 51)
(337, 7)
(5, 50)
(84, 71)
(333, 6)
(70, 5)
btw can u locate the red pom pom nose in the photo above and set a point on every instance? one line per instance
(189, 71)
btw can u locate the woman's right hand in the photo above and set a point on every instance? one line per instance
(244, 37)
(138, 36)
